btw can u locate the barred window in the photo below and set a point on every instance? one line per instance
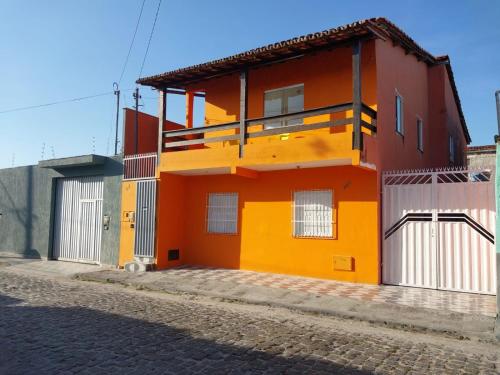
(312, 213)
(222, 213)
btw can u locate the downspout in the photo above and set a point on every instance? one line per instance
(497, 197)
(497, 96)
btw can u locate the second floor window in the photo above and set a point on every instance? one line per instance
(399, 114)
(282, 101)
(420, 135)
(451, 148)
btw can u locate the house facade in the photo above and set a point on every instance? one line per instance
(62, 209)
(284, 175)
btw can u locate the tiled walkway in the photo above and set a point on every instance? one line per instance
(416, 297)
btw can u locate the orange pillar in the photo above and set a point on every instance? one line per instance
(189, 109)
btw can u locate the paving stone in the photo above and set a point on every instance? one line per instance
(52, 326)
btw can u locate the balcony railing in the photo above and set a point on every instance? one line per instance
(177, 140)
(139, 166)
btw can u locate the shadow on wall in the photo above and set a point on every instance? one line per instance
(25, 217)
(55, 339)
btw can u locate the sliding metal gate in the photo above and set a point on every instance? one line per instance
(145, 219)
(78, 219)
(439, 230)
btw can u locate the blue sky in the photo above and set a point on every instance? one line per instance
(60, 49)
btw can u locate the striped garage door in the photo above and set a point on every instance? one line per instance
(439, 230)
(78, 219)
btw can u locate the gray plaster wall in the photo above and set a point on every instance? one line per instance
(27, 197)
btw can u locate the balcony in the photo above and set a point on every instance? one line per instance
(317, 137)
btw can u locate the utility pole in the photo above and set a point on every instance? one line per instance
(497, 96)
(136, 122)
(117, 93)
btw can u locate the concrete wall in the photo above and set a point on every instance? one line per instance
(481, 160)
(27, 207)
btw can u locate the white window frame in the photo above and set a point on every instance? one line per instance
(420, 134)
(399, 117)
(222, 213)
(320, 223)
(284, 107)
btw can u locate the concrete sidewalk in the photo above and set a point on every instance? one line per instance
(48, 267)
(212, 284)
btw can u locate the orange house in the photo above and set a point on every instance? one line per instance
(284, 174)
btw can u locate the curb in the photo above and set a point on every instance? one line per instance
(484, 335)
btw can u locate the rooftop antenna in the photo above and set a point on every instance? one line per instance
(93, 144)
(53, 152)
(117, 93)
(13, 158)
(43, 151)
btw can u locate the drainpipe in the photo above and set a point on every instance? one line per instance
(497, 196)
(497, 96)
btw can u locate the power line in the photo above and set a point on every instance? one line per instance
(54, 103)
(132, 42)
(150, 37)
(59, 102)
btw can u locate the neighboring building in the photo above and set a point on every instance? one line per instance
(285, 173)
(481, 156)
(65, 209)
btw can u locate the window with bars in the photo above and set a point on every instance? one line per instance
(222, 213)
(313, 213)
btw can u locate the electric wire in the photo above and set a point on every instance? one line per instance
(55, 103)
(150, 37)
(132, 42)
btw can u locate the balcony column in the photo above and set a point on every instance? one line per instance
(243, 108)
(189, 109)
(357, 136)
(162, 116)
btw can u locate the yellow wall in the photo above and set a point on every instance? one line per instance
(129, 189)
(264, 241)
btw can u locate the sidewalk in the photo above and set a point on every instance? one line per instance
(467, 316)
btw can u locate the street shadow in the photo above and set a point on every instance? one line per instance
(41, 339)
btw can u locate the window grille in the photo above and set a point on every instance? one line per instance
(222, 213)
(313, 213)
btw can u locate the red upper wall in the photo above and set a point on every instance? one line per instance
(427, 95)
(147, 132)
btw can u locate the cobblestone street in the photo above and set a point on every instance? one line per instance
(50, 325)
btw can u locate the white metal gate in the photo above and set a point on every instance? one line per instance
(78, 219)
(439, 230)
(145, 219)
